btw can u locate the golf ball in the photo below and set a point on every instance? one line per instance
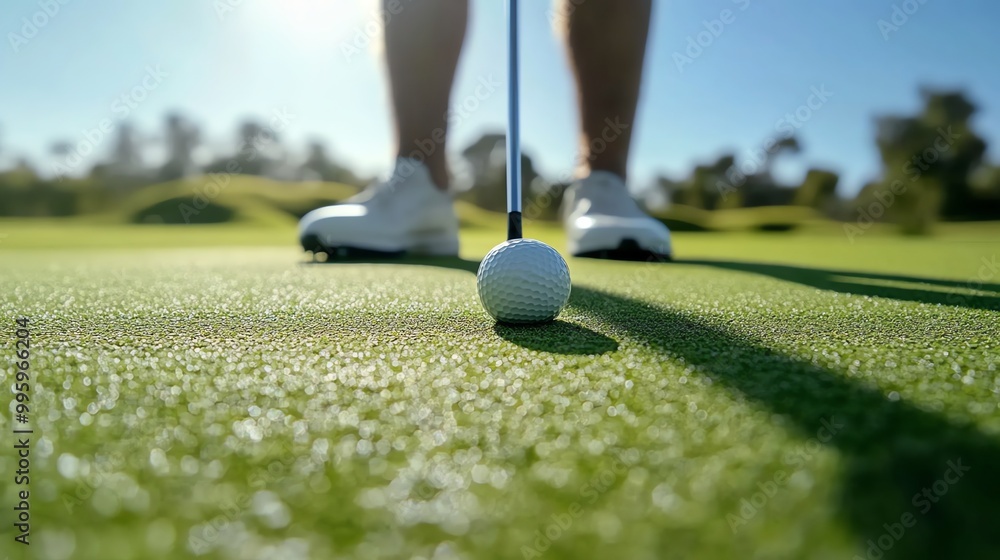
(523, 281)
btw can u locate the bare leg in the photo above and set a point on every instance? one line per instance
(422, 46)
(607, 46)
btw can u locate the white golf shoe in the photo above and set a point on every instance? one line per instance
(405, 214)
(603, 221)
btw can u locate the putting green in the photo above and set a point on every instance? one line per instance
(770, 396)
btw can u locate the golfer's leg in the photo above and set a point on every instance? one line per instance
(422, 46)
(607, 45)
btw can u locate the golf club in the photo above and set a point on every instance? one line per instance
(521, 281)
(513, 125)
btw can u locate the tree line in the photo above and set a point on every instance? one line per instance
(933, 168)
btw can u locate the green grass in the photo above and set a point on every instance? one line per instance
(229, 399)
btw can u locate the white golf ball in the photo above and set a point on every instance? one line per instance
(523, 281)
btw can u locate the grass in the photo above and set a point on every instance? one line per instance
(768, 396)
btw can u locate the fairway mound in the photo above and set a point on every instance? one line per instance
(685, 218)
(213, 199)
(179, 210)
(680, 217)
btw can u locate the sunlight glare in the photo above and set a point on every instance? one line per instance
(315, 23)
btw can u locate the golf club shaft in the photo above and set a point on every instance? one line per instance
(514, 124)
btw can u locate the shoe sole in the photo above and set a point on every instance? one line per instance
(312, 244)
(627, 250)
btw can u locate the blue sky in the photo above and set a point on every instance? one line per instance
(222, 65)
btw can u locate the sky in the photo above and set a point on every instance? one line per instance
(314, 69)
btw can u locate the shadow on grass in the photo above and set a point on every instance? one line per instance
(893, 451)
(898, 459)
(558, 337)
(879, 285)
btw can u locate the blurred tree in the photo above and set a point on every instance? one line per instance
(664, 192)
(60, 148)
(543, 199)
(487, 160)
(927, 161)
(125, 170)
(710, 186)
(913, 203)
(250, 132)
(985, 183)
(251, 157)
(22, 174)
(65, 158)
(127, 153)
(789, 145)
(818, 190)
(182, 137)
(319, 166)
(18, 190)
(728, 184)
(949, 114)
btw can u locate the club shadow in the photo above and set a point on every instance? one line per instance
(867, 284)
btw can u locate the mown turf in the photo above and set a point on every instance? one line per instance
(768, 396)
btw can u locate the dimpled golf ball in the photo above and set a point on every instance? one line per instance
(523, 281)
